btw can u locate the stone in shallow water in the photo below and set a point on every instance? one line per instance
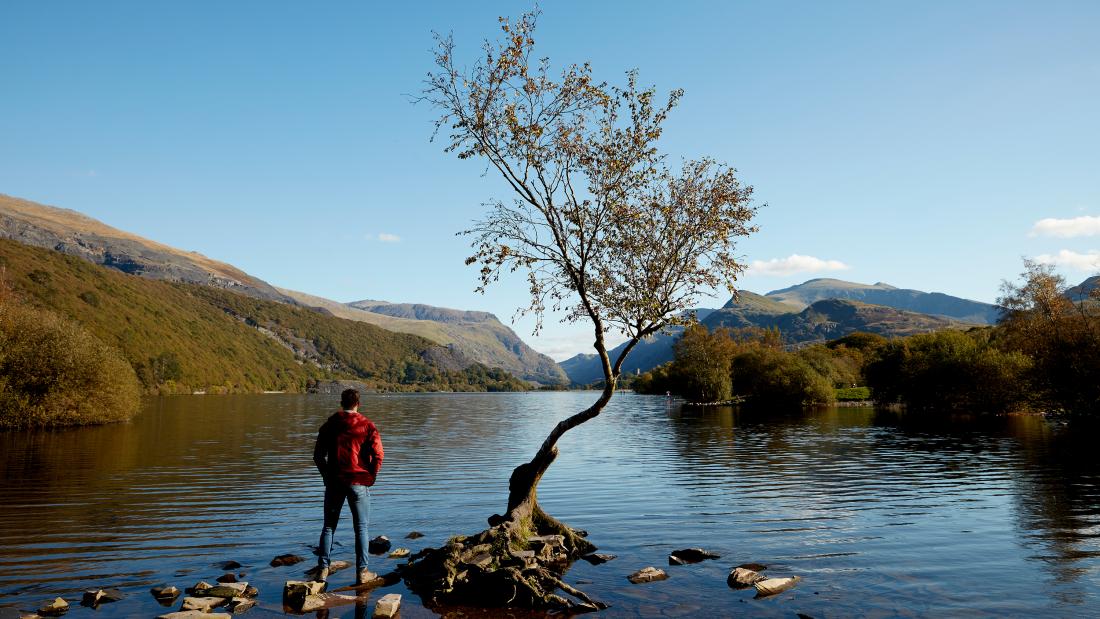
(227, 590)
(771, 586)
(204, 604)
(647, 574)
(756, 567)
(314, 572)
(379, 545)
(388, 606)
(230, 565)
(165, 592)
(95, 597)
(741, 578)
(400, 553)
(239, 605)
(690, 555)
(297, 594)
(55, 608)
(194, 614)
(227, 578)
(596, 558)
(287, 559)
(414, 535)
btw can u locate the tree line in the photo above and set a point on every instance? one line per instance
(1042, 355)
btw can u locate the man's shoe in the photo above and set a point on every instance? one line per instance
(367, 577)
(322, 574)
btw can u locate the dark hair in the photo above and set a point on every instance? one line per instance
(349, 399)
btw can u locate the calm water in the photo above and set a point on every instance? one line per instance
(881, 515)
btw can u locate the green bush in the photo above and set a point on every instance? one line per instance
(54, 373)
(773, 377)
(853, 394)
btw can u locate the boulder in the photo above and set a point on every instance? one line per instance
(647, 574)
(388, 606)
(165, 592)
(742, 578)
(203, 604)
(596, 558)
(690, 555)
(400, 553)
(96, 597)
(287, 559)
(414, 535)
(379, 545)
(55, 608)
(771, 586)
(239, 605)
(194, 614)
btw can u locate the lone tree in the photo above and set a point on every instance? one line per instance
(602, 227)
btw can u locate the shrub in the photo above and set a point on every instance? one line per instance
(772, 377)
(54, 373)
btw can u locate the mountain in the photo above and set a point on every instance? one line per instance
(1084, 290)
(652, 351)
(748, 309)
(934, 303)
(73, 233)
(477, 335)
(181, 337)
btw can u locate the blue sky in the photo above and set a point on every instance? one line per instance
(929, 145)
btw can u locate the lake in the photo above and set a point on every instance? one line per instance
(881, 514)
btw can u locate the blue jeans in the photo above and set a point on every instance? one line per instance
(358, 498)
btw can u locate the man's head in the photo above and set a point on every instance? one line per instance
(349, 399)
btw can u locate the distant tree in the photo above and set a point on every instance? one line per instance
(702, 364)
(599, 223)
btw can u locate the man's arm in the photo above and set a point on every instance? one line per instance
(320, 452)
(377, 452)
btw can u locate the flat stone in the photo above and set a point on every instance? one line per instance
(596, 558)
(239, 605)
(414, 535)
(96, 597)
(400, 553)
(286, 560)
(204, 604)
(55, 608)
(690, 555)
(379, 545)
(647, 574)
(227, 578)
(388, 606)
(194, 614)
(771, 586)
(742, 578)
(227, 590)
(162, 592)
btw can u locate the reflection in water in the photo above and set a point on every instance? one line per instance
(882, 514)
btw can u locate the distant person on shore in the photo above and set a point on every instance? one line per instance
(348, 454)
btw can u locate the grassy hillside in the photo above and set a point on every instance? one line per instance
(183, 337)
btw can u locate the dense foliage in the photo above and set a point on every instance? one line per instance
(54, 373)
(181, 338)
(1043, 355)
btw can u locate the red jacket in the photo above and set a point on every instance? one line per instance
(348, 448)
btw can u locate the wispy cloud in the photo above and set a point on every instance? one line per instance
(1084, 225)
(795, 263)
(1089, 261)
(384, 237)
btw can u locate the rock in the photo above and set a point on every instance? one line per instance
(547, 540)
(239, 605)
(756, 567)
(690, 555)
(311, 603)
(647, 574)
(414, 535)
(388, 606)
(296, 594)
(227, 590)
(379, 545)
(230, 565)
(165, 592)
(194, 614)
(771, 586)
(251, 592)
(203, 604)
(400, 553)
(286, 560)
(227, 578)
(742, 578)
(596, 558)
(200, 588)
(101, 596)
(482, 560)
(56, 608)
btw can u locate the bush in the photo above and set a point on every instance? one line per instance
(853, 394)
(772, 377)
(54, 373)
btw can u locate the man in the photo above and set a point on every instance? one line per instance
(348, 454)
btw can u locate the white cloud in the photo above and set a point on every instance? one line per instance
(384, 237)
(1084, 225)
(1089, 261)
(795, 263)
